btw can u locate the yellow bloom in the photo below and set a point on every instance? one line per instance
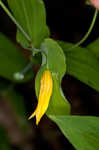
(46, 86)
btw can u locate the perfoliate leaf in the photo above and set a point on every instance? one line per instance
(51, 51)
(82, 64)
(31, 15)
(94, 47)
(53, 57)
(82, 132)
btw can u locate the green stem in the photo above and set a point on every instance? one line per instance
(27, 68)
(88, 32)
(14, 20)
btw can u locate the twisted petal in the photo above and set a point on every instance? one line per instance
(44, 95)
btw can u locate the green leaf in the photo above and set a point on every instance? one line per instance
(53, 57)
(51, 50)
(31, 15)
(82, 64)
(94, 47)
(11, 60)
(82, 132)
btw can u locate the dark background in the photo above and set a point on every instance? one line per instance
(68, 21)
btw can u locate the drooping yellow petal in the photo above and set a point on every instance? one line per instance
(46, 86)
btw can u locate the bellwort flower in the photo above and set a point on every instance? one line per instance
(45, 93)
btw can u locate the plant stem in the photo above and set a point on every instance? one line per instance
(88, 32)
(14, 20)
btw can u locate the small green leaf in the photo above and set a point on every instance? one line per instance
(94, 47)
(11, 60)
(31, 15)
(82, 132)
(82, 64)
(52, 51)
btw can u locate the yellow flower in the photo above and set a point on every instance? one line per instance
(46, 86)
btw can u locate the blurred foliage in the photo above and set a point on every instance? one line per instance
(16, 101)
(11, 60)
(4, 142)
